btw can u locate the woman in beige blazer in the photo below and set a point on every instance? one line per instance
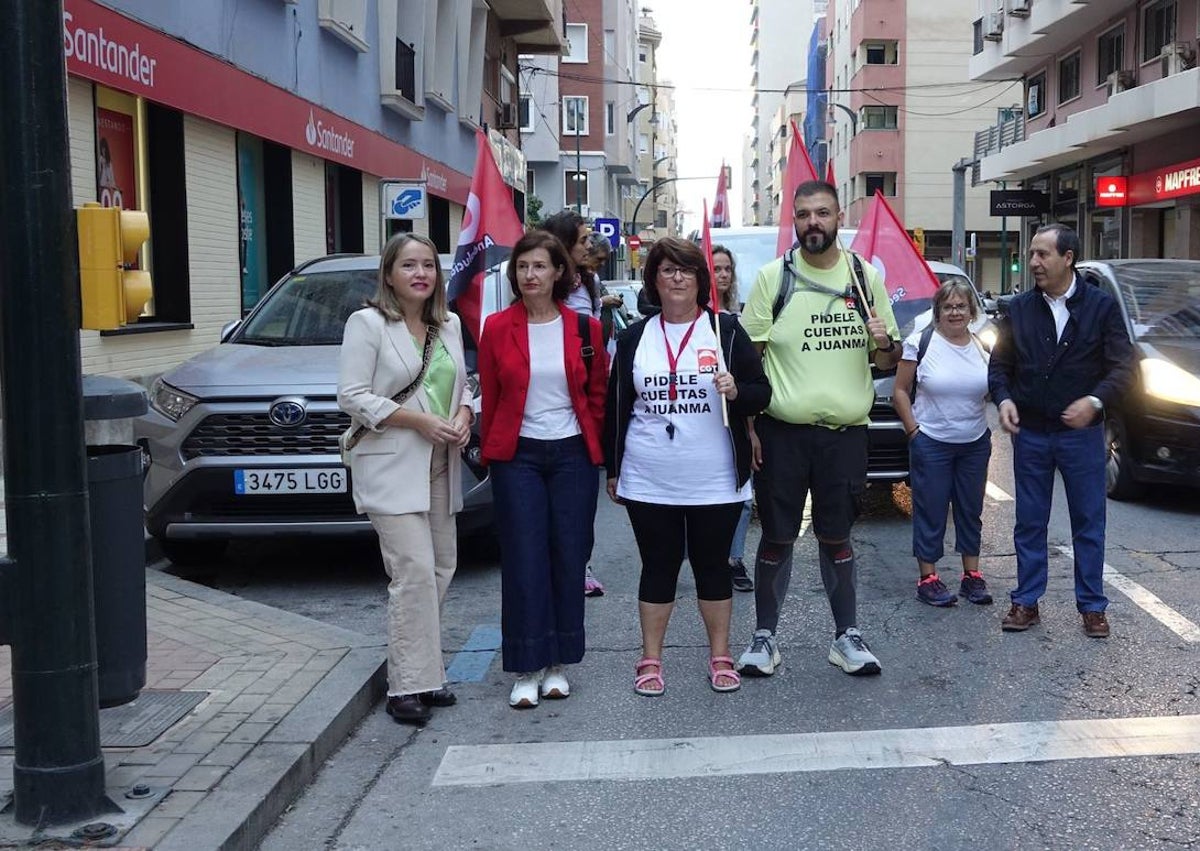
(405, 469)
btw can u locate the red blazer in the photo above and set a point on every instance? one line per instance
(504, 380)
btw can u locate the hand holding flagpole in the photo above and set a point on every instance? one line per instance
(722, 378)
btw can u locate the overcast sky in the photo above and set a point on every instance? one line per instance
(705, 53)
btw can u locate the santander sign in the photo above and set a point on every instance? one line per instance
(320, 135)
(91, 47)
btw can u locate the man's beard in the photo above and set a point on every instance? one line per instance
(816, 241)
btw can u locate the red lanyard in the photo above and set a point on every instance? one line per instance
(673, 357)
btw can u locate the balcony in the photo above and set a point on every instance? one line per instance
(535, 25)
(1152, 110)
(1009, 45)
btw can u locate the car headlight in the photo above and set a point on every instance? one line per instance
(169, 401)
(1164, 380)
(988, 337)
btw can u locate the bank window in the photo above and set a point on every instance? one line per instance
(1035, 95)
(1110, 54)
(878, 118)
(575, 188)
(577, 46)
(266, 236)
(1158, 28)
(575, 116)
(1068, 78)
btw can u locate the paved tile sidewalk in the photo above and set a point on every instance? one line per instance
(284, 691)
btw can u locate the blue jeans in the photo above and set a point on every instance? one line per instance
(737, 549)
(945, 475)
(1078, 455)
(545, 503)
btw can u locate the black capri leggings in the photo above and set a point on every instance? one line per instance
(662, 530)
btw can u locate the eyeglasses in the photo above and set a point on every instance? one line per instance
(955, 308)
(672, 271)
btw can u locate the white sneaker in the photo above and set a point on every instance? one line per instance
(762, 656)
(525, 691)
(852, 655)
(554, 684)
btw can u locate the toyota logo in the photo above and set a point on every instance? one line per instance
(288, 413)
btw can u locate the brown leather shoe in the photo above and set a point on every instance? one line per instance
(1020, 618)
(1095, 624)
(407, 709)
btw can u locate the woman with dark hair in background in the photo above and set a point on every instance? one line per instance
(542, 371)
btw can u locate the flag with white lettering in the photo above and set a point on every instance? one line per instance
(799, 170)
(490, 228)
(720, 209)
(881, 239)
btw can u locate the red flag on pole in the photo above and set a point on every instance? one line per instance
(799, 170)
(883, 241)
(490, 228)
(714, 302)
(720, 210)
(829, 178)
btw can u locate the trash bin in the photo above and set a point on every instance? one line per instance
(114, 475)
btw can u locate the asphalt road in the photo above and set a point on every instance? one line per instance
(1013, 740)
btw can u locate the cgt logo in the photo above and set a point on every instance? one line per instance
(325, 138)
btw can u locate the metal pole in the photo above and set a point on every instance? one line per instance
(958, 238)
(1005, 286)
(578, 167)
(58, 774)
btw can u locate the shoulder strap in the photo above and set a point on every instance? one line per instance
(431, 337)
(787, 286)
(586, 348)
(922, 345)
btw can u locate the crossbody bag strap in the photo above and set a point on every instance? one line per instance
(586, 349)
(431, 337)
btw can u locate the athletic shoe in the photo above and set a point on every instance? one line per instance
(554, 684)
(852, 655)
(741, 579)
(932, 590)
(975, 589)
(762, 656)
(525, 691)
(591, 585)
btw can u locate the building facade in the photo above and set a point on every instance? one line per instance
(1108, 122)
(249, 159)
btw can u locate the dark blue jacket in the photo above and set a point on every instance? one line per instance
(1042, 375)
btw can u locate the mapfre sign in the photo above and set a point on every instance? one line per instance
(1162, 184)
(1112, 191)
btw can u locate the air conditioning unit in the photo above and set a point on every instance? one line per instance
(993, 26)
(1020, 8)
(1120, 81)
(508, 117)
(1177, 56)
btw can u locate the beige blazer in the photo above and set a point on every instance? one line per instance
(389, 468)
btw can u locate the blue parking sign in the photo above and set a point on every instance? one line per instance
(610, 229)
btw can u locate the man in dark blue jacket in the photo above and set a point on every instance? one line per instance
(1063, 356)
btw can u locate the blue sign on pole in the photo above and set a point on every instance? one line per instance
(610, 229)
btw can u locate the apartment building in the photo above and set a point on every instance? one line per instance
(258, 140)
(1107, 129)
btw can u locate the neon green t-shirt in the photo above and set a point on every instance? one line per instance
(818, 351)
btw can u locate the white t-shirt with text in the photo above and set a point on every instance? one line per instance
(951, 399)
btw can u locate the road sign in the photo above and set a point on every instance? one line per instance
(610, 229)
(402, 199)
(634, 242)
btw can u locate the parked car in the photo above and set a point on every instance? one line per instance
(1153, 434)
(628, 291)
(242, 438)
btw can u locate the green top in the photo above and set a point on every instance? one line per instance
(439, 379)
(817, 352)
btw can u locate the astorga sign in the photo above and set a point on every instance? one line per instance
(1019, 202)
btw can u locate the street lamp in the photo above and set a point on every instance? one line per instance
(853, 117)
(654, 187)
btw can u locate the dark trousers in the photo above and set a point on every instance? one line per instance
(944, 476)
(545, 500)
(1079, 456)
(662, 531)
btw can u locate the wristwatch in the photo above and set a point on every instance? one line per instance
(1096, 402)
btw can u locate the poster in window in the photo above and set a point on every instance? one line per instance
(252, 244)
(115, 186)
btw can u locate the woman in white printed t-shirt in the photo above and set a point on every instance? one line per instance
(941, 396)
(680, 472)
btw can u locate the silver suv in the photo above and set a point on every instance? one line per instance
(242, 438)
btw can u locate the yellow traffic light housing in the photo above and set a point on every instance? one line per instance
(113, 292)
(918, 236)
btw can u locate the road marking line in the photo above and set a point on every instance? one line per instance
(657, 759)
(1146, 600)
(470, 664)
(806, 517)
(996, 493)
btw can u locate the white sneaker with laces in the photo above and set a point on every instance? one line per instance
(852, 655)
(525, 691)
(762, 656)
(554, 684)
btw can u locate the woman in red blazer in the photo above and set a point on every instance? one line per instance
(543, 371)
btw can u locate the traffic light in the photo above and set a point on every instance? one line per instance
(1014, 263)
(919, 240)
(113, 292)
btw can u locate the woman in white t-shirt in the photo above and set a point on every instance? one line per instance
(941, 395)
(681, 473)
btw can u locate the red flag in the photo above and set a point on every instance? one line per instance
(882, 240)
(829, 178)
(490, 228)
(714, 300)
(720, 210)
(799, 170)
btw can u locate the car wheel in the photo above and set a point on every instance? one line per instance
(1118, 473)
(192, 553)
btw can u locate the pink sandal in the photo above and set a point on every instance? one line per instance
(715, 674)
(649, 685)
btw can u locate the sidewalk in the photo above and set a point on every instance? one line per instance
(281, 692)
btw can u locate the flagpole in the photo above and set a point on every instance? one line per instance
(714, 303)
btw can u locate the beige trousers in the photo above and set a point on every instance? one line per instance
(420, 553)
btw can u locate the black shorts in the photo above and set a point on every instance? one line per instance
(831, 463)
